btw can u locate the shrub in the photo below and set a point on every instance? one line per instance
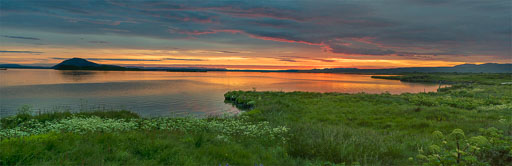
(457, 149)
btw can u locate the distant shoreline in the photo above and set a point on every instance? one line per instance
(466, 68)
(269, 71)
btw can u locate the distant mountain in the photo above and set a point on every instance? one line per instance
(82, 64)
(21, 66)
(465, 68)
(78, 62)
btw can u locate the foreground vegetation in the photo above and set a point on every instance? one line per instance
(122, 137)
(464, 124)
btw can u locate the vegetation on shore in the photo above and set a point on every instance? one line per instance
(464, 124)
(451, 78)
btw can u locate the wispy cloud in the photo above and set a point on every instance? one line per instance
(287, 60)
(120, 59)
(21, 37)
(228, 52)
(180, 59)
(99, 42)
(21, 52)
(301, 58)
(323, 60)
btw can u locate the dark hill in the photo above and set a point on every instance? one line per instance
(78, 62)
(82, 64)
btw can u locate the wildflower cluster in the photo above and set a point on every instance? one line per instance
(225, 127)
(502, 107)
(75, 124)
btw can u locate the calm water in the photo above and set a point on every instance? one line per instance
(159, 93)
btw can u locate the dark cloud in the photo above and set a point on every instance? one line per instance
(286, 60)
(21, 37)
(229, 52)
(417, 27)
(323, 60)
(431, 2)
(299, 58)
(364, 51)
(99, 42)
(21, 52)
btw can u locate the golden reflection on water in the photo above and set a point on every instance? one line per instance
(160, 93)
(267, 81)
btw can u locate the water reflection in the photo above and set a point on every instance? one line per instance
(77, 76)
(157, 93)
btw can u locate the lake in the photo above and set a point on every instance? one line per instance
(161, 93)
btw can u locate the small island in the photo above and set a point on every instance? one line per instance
(82, 64)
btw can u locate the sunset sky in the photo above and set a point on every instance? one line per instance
(257, 34)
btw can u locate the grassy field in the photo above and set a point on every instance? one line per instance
(469, 123)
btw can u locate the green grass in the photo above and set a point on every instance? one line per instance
(319, 129)
(95, 138)
(135, 148)
(452, 78)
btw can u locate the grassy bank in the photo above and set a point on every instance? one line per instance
(452, 78)
(464, 124)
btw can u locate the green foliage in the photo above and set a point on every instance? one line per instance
(491, 148)
(24, 110)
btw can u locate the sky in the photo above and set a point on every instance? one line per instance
(257, 34)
